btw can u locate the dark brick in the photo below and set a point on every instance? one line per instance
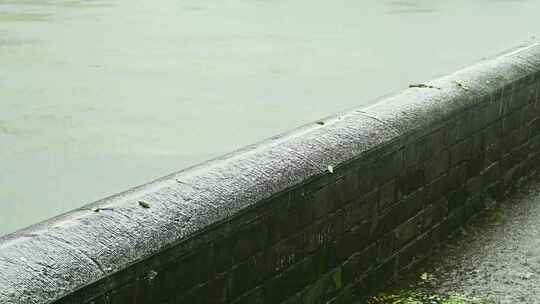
(476, 144)
(323, 260)
(435, 237)
(386, 245)
(473, 205)
(428, 217)
(366, 179)
(387, 194)
(99, 292)
(348, 189)
(513, 139)
(460, 152)
(255, 296)
(301, 204)
(437, 141)
(513, 158)
(477, 116)
(440, 210)
(534, 144)
(295, 299)
(456, 219)
(534, 127)
(535, 101)
(387, 167)
(414, 251)
(410, 155)
(171, 278)
(359, 264)
(465, 125)
(494, 109)
(493, 153)
(492, 134)
(424, 148)
(324, 201)
(384, 273)
(124, 295)
(437, 166)
(222, 254)
(102, 299)
(490, 174)
(411, 180)
(354, 241)
(360, 209)
(409, 230)
(534, 159)
(321, 290)
(496, 190)
(456, 178)
(457, 198)
(506, 99)
(361, 289)
(247, 275)
(475, 165)
(530, 113)
(346, 296)
(451, 135)
(287, 283)
(323, 232)
(513, 121)
(509, 181)
(213, 292)
(437, 188)
(284, 254)
(400, 212)
(474, 185)
(284, 222)
(520, 97)
(251, 239)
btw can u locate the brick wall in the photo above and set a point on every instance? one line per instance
(406, 172)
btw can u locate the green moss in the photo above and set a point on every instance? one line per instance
(418, 297)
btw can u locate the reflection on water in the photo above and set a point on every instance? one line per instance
(98, 96)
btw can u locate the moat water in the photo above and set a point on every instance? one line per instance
(98, 96)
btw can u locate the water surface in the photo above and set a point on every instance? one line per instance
(97, 96)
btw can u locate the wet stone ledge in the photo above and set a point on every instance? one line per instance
(322, 214)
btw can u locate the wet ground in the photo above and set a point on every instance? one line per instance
(494, 259)
(99, 96)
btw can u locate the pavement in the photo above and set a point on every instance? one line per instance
(493, 259)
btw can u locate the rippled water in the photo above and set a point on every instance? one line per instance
(99, 95)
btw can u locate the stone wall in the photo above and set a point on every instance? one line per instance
(323, 214)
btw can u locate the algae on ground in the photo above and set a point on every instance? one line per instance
(418, 297)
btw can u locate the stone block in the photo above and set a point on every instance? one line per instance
(409, 230)
(247, 275)
(411, 179)
(460, 152)
(437, 166)
(285, 254)
(255, 296)
(323, 232)
(321, 290)
(387, 194)
(358, 265)
(360, 209)
(287, 283)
